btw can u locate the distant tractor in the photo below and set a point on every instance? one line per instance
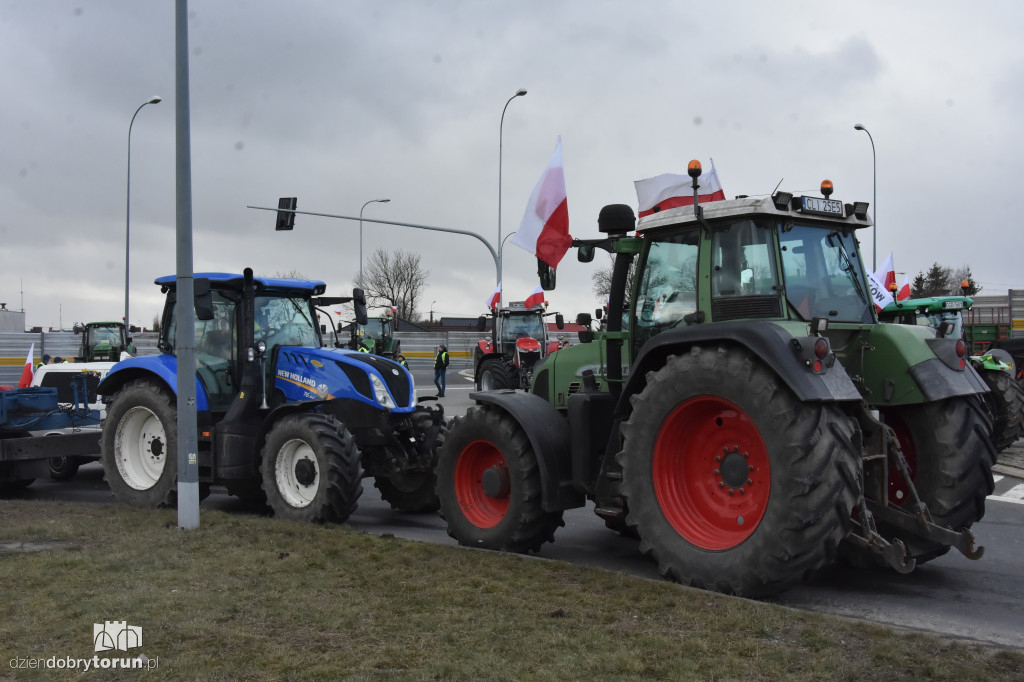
(945, 314)
(519, 340)
(377, 336)
(103, 342)
(742, 412)
(281, 418)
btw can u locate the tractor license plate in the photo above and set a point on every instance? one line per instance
(953, 305)
(829, 207)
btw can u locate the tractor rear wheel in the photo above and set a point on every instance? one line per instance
(311, 469)
(488, 481)
(1006, 402)
(732, 483)
(950, 457)
(497, 374)
(140, 445)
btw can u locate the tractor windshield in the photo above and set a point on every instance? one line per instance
(823, 274)
(520, 326)
(282, 321)
(104, 334)
(667, 286)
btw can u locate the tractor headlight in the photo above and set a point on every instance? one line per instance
(380, 392)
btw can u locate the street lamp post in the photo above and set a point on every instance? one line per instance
(519, 93)
(432, 311)
(874, 200)
(128, 205)
(371, 201)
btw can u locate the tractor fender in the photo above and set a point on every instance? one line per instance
(548, 433)
(163, 368)
(771, 343)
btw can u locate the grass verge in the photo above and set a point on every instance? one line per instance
(254, 598)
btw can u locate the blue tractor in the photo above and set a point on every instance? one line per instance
(282, 418)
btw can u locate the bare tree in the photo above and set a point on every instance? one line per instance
(394, 279)
(602, 279)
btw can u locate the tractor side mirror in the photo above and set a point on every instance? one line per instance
(584, 319)
(203, 298)
(585, 253)
(359, 305)
(546, 274)
(481, 324)
(598, 313)
(559, 321)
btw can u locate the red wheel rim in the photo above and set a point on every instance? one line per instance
(711, 473)
(899, 494)
(479, 508)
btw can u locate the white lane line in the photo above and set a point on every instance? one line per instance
(1000, 498)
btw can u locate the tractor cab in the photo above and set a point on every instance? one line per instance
(103, 342)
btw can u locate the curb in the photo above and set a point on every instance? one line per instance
(1007, 470)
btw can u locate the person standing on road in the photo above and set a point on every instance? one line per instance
(440, 366)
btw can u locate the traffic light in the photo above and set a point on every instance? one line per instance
(285, 215)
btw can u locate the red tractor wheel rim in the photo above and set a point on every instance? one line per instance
(899, 493)
(711, 473)
(479, 508)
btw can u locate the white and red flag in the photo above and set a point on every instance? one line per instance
(887, 273)
(495, 299)
(535, 298)
(904, 292)
(669, 191)
(27, 373)
(544, 231)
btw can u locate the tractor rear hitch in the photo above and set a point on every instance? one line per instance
(962, 540)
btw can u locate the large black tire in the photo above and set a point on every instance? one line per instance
(1005, 400)
(488, 481)
(948, 449)
(497, 374)
(415, 492)
(310, 468)
(140, 445)
(732, 483)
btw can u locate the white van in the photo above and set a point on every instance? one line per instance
(59, 376)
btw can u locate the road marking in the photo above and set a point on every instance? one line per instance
(996, 478)
(1000, 498)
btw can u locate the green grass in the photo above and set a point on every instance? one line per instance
(254, 598)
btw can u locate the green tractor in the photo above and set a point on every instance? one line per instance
(944, 314)
(103, 342)
(742, 411)
(377, 336)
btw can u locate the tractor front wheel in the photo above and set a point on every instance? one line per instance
(1005, 400)
(732, 483)
(310, 468)
(497, 374)
(488, 482)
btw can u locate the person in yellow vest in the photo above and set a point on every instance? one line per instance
(440, 366)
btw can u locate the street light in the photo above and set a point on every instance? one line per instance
(371, 201)
(519, 93)
(155, 99)
(874, 200)
(432, 311)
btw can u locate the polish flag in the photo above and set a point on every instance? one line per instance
(26, 374)
(904, 292)
(536, 298)
(544, 231)
(887, 273)
(495, 300)
(670, 191)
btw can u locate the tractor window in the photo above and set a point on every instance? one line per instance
(667, 288)
(520, 326)
(215, 344)
(284, 321)
(824, 275)
(742, 261)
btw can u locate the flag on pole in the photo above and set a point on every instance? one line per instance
(535, 298)
(27, 373)
(904, 292)
(879, 294)
(887, 273)
(495, 299)
(544, 231)
(670, 191)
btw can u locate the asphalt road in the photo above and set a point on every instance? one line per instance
(978, 600)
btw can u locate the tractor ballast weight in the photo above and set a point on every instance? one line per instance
(282, 418)
(741, 410)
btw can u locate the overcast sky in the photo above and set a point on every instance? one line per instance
(339, 102)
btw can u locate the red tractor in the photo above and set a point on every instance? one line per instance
(518, 341)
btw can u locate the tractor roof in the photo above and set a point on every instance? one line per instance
(278, 285)
(781, 204)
